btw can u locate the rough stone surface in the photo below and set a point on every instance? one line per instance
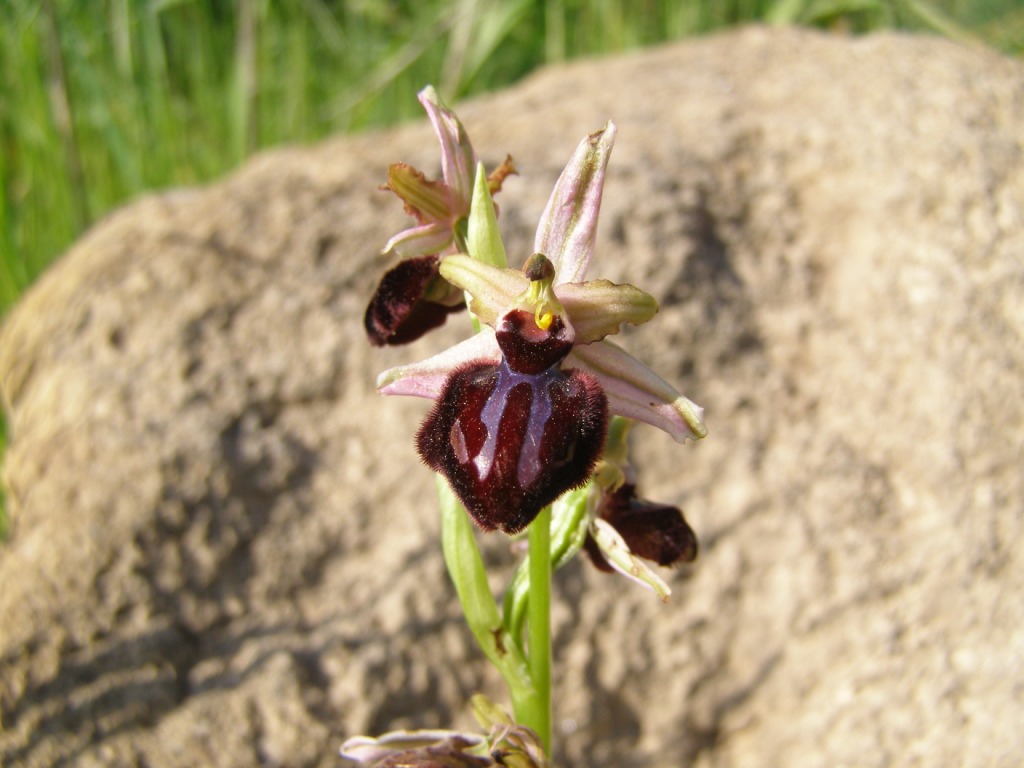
(224, 552)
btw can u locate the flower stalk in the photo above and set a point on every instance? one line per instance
(466, 568)
(530, 418)
(538, 714)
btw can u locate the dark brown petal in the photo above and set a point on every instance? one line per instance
(510, 443)
(655, 532)
(399, 311)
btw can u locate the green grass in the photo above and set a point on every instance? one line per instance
(101, 100)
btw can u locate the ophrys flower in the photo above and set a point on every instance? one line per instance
(521, 409)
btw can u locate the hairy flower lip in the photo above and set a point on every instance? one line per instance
(633, 389)
(512, 437)
(411, 299)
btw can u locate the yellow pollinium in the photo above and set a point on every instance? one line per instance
(540, 296)
(543, 319)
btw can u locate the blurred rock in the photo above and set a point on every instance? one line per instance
(223, 549)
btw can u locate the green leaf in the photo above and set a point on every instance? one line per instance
(466, 569)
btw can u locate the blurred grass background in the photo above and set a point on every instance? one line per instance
(101, 100)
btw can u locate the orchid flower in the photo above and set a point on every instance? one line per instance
(521, 409)
(625, 530)
(503, 743)
(412, 298)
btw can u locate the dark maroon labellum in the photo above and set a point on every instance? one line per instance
(510, 443)
(655, 532)
(400, 311)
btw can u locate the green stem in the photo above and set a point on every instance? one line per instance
(528, 676)
(466, 568)
(569, 516)
(538, 716)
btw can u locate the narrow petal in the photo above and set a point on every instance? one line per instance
(599, 308)
(427, 377)
(420, 241)
(615, 552)
(568, 225)
(637, 392)
(494, 290)
(428, 201)
(458, 160)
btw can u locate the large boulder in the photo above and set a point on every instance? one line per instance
(224, 551)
